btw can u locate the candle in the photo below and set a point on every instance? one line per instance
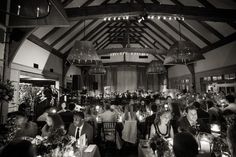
(215, 128)
(65, 98)
(205, 146)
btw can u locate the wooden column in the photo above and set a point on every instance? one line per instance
(192, 71)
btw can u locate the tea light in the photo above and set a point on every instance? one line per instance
(215, 130)
(97, 108)
(205, 144)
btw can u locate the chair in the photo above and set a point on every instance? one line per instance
(109, 133)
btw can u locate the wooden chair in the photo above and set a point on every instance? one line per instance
(109, 133)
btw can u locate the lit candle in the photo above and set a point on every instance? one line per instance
(65, 98)
(215, 128)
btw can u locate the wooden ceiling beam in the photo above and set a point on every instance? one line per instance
(204, 24)
(210, 6)
(211, 29)
(170, 37)
(47, 47)
(61, 37)
(156, 2)
(151, 46)
(219, 43)
(76, 35)
(144, 31)
(50, 33)
(158, 35)
(195, 32)
(106, 33)
(55, 29)
(189, 12)
(104, 42)
(178, 32)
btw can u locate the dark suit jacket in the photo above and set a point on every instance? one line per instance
(149, 121)
(87, 129)
(184, 125)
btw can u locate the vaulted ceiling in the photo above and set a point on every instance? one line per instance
(208, 24)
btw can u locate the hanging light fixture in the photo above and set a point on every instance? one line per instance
(156, 67)
(98, 69)
(183, 52)
(83, 53)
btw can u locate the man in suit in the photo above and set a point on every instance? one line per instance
(79, 127)
(190, 123)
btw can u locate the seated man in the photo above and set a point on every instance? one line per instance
(80, 127)
(24, 127)
(190, 123)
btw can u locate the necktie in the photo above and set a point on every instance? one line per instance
(77, 134)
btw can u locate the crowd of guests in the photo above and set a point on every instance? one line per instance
(179, 118)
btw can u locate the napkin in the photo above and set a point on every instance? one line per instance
(90, 148)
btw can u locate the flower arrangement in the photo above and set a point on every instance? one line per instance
(159, 144)
(6, 91)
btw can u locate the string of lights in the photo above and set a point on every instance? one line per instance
(143, 17)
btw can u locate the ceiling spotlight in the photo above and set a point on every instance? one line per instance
(149, 17)
(174, 18)
(158, 17)
(152, 17)
(104, 19)
(164, 18)
(118, 18)
(170, 18)
(127, 17)
(182, 18)
(109, 19)
(114, 18)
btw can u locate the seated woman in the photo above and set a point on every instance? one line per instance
(161, 126)
(129, 132)
(53, 123)
(63, 108)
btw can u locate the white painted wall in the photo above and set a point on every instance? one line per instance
(129, 58)
(30, 53)
(217, 58)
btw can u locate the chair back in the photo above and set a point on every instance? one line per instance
(109, 131)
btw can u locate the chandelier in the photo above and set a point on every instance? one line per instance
(97, 69)
(83, 53)
(156, 67)
(183, 52)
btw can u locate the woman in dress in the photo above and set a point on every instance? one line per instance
(53, 124)
(161, 125)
